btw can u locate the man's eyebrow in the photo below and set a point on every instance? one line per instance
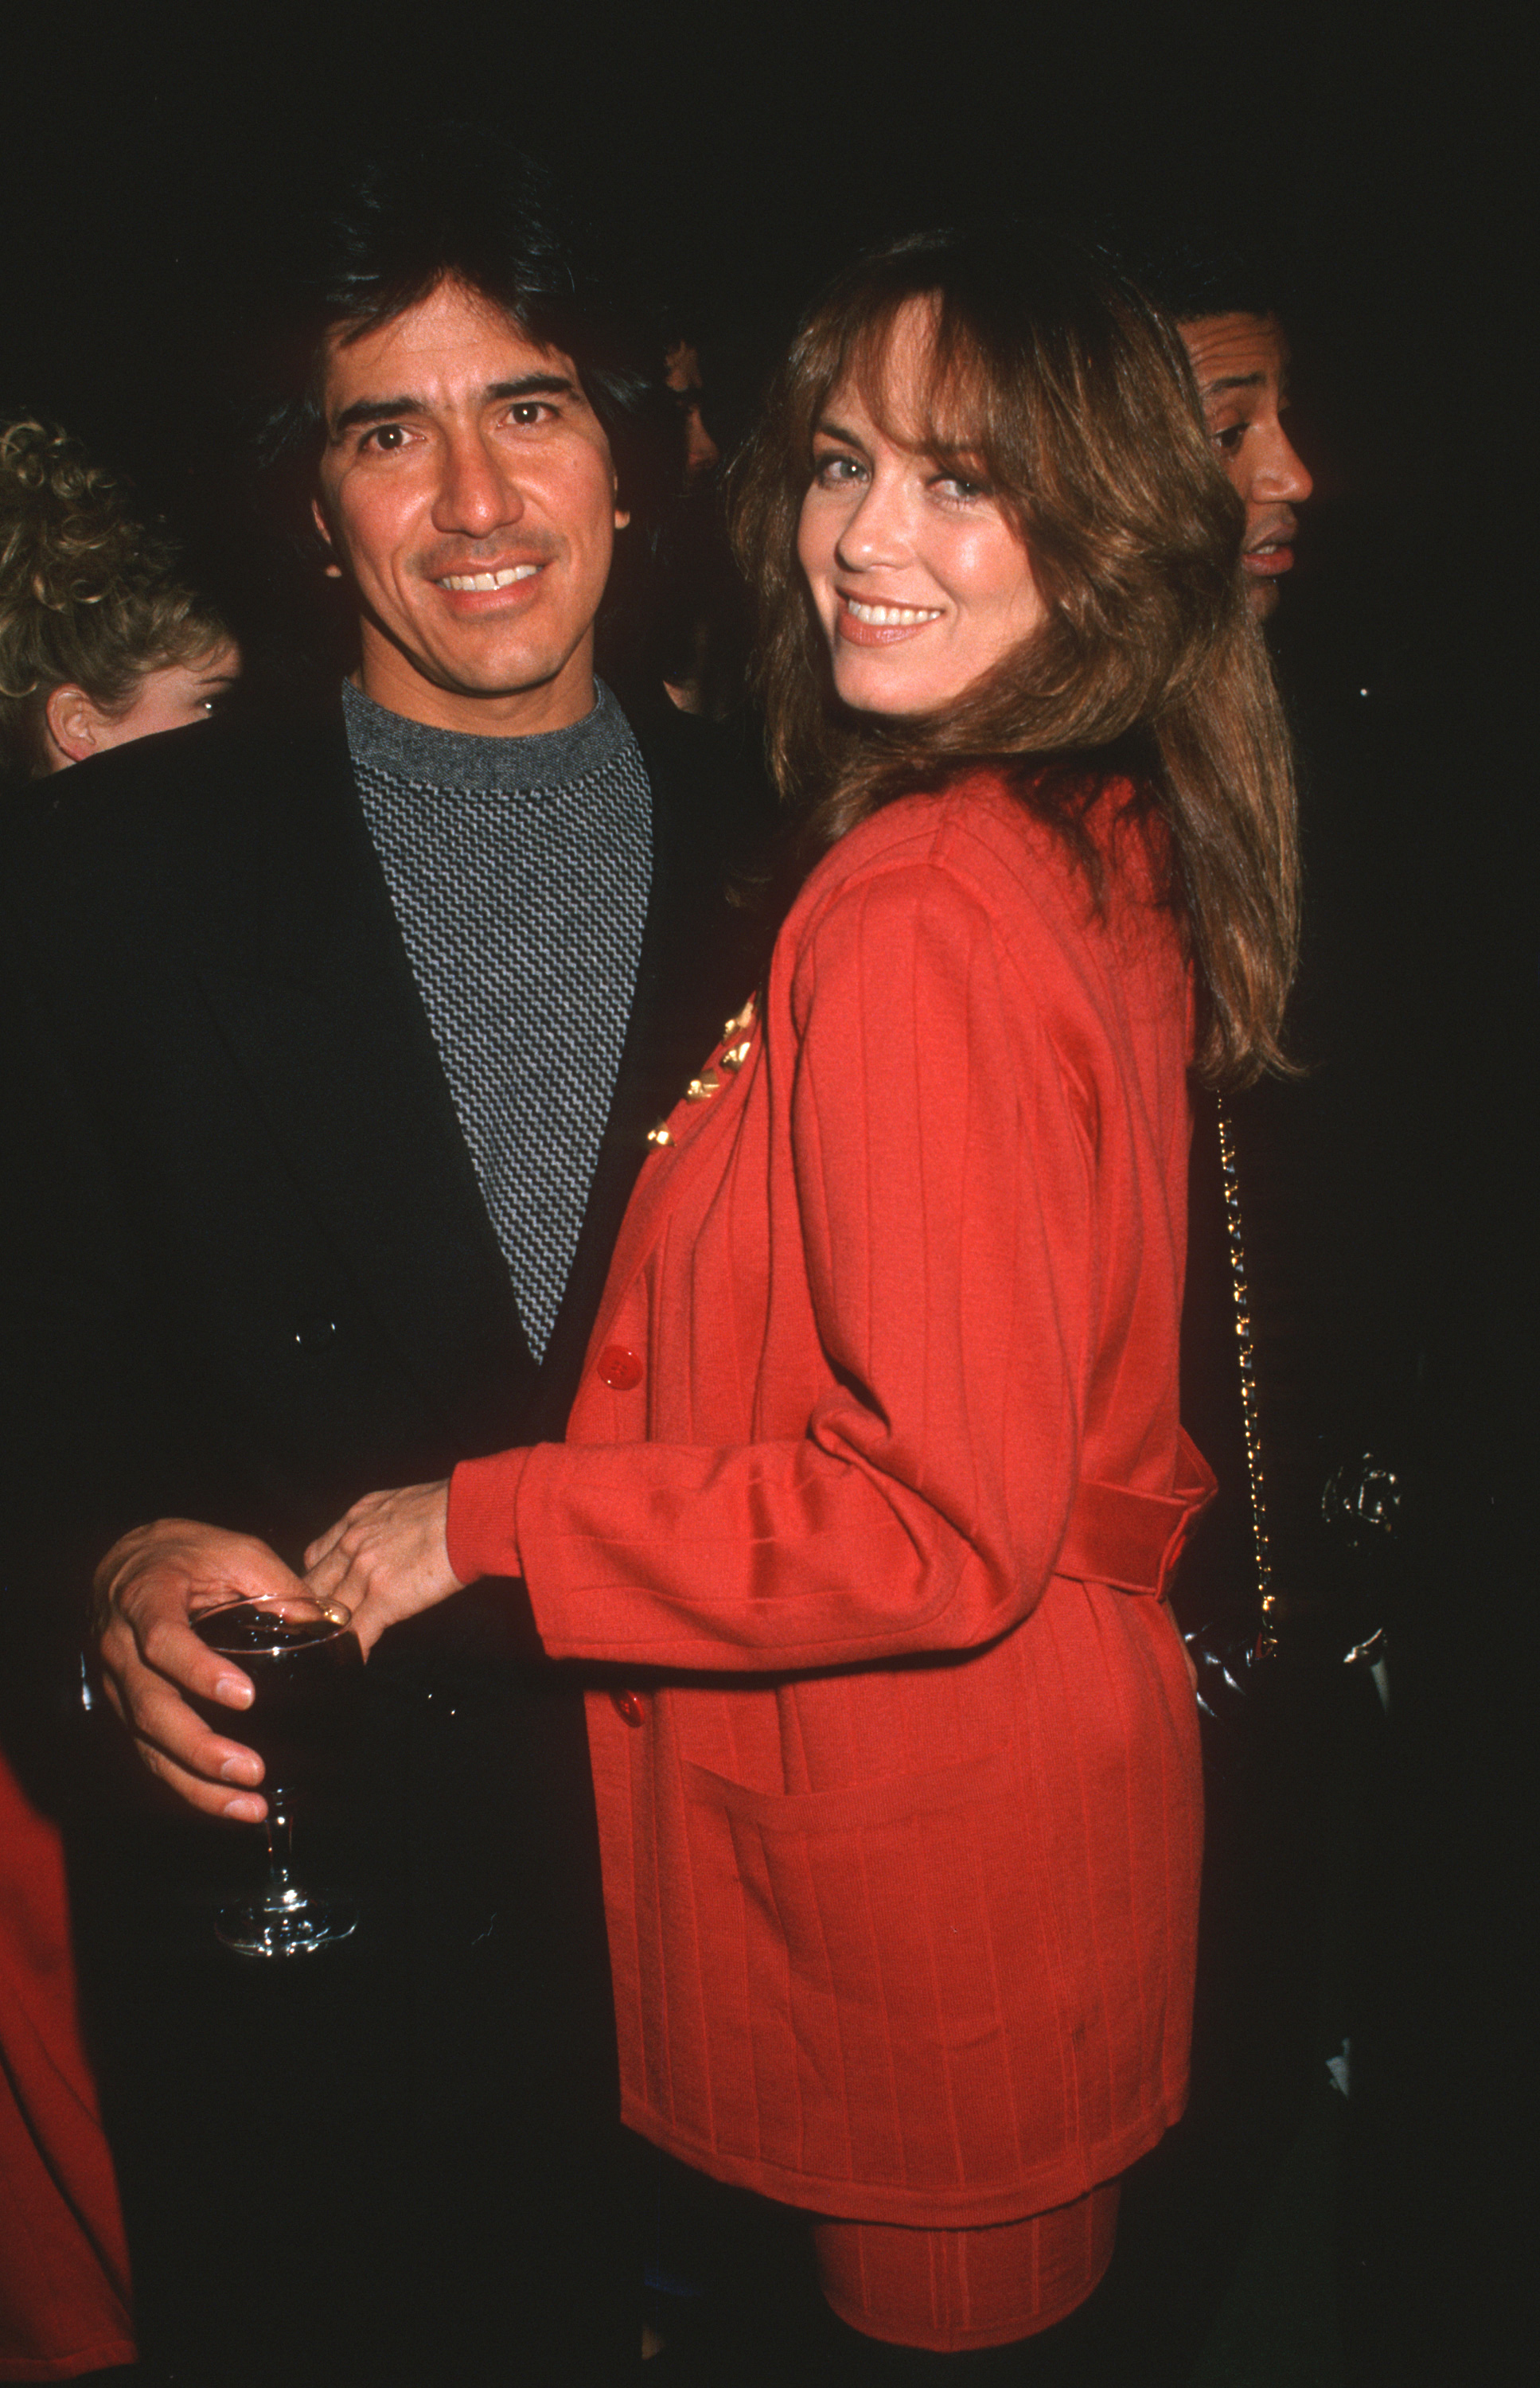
(1233, 381)
(390, 409)
(533, 386)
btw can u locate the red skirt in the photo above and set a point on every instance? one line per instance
(950, 2290)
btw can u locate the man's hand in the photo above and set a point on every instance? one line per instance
(386, 1560)
(146, 1590)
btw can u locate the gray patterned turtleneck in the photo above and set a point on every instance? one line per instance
(519, 870)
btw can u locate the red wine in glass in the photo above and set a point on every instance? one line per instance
(306, 1666)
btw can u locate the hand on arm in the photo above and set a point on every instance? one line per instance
(146, 1591)
(386, 1560)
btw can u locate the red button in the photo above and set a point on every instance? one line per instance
(631, 1706)
(619, 1368)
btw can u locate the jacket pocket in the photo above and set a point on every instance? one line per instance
(887, 1977)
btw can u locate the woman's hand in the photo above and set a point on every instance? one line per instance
(386, 1560)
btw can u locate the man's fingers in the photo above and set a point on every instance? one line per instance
(160, 1719)
(145, 1675)
(203, 1559)
(149, 1591)
(225, 1800)
(170, 1646)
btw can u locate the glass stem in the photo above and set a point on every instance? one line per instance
(281, 1891)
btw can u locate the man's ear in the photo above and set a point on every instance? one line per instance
(333, 569)
(623, 514)
(72, 725)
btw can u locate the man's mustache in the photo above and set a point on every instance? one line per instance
(483, 555)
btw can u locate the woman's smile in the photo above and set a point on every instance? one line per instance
(865, 624)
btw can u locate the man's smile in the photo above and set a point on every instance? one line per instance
(503, 578)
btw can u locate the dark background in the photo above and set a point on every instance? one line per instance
(156, 173)
(155, 165)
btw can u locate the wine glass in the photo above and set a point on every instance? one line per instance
(307, 1667)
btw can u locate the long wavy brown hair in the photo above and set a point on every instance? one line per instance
(1055, 381)
(89, 594)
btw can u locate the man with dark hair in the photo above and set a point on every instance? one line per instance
(335, 1045)
(1240, 360)
(1224, 301)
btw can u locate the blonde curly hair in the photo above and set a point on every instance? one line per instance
(89, 595)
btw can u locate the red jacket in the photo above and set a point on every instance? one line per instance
(900, 1817)
(64, 2285)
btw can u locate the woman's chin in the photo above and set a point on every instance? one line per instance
(866, 686)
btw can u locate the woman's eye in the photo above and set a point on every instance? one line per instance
(959, 490)
(836, 472)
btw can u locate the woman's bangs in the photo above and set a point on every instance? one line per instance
(947, 415)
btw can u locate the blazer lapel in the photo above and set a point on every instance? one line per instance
(700, 956)
(317, 1003)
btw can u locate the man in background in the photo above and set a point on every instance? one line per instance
(1240, 360)
(1224, 295)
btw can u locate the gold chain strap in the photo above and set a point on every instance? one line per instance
(1267, 1639)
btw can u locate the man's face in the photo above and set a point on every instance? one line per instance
(468, 490)
(1240, 366)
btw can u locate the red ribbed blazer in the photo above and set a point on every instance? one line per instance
(900, 1819)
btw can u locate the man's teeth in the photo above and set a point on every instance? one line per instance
(503, 579)
(892, 617)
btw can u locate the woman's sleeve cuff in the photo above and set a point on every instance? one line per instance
(481, 1530)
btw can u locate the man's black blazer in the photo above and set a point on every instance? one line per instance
(248, 1278)
(254, 1276)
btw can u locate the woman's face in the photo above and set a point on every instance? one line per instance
(173, 695)
(919, 578)
(168, 696)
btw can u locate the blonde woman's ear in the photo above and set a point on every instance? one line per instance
(72, 725)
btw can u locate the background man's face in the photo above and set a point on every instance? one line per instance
(1241, 364)
(467, 487)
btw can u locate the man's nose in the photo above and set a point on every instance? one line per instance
(1282, 477)
(474, 495)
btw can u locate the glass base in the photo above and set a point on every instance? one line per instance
(286, 1924)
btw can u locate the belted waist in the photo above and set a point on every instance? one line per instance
(1132, 1541)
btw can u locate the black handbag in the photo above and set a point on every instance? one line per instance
(1226, 1599)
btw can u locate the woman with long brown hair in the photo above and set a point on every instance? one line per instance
(872, 1491)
